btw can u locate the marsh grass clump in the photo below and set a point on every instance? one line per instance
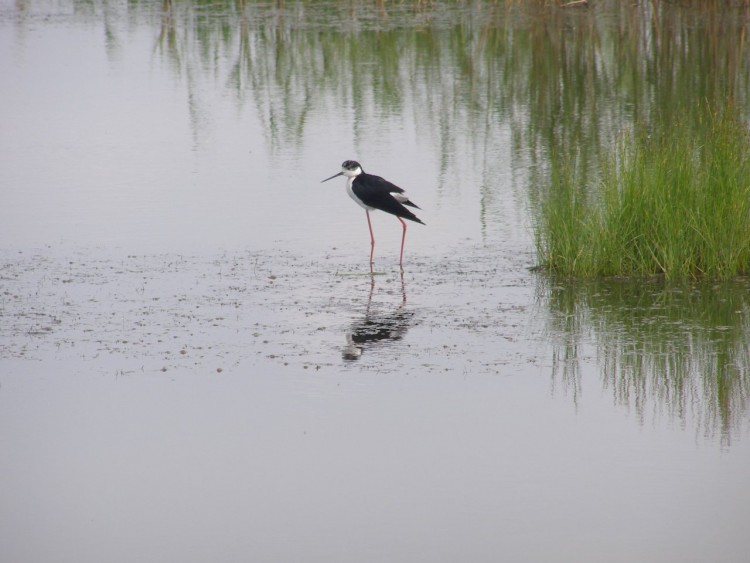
(675, 204)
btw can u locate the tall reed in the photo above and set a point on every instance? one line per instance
(673, 202)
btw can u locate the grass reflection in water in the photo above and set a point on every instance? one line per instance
(680, 350)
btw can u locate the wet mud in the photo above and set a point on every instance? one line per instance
(126, 314)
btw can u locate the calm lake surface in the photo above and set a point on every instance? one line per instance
(195, 364)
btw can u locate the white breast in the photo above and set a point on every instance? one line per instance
(349, 183)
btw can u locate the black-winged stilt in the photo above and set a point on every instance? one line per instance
(373, 192)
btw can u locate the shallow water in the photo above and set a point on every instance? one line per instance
(213, 408)
(196, 365)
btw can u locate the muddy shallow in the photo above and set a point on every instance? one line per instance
(212, 314)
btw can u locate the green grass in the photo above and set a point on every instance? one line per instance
(675, 204)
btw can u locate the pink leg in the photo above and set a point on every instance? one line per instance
(372, 238)
(403, 238)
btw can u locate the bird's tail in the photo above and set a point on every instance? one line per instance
(414, 217)
(409, 215)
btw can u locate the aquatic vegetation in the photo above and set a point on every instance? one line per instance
(671, 201)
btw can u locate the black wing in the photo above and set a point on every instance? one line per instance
(376, 192)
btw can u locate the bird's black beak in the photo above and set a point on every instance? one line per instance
(332, 177)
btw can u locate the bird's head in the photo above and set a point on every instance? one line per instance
(349, 168)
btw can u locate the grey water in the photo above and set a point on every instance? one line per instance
(195, 363)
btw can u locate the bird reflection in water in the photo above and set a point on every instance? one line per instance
(377, 328)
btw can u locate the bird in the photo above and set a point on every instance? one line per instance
(373, 192)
